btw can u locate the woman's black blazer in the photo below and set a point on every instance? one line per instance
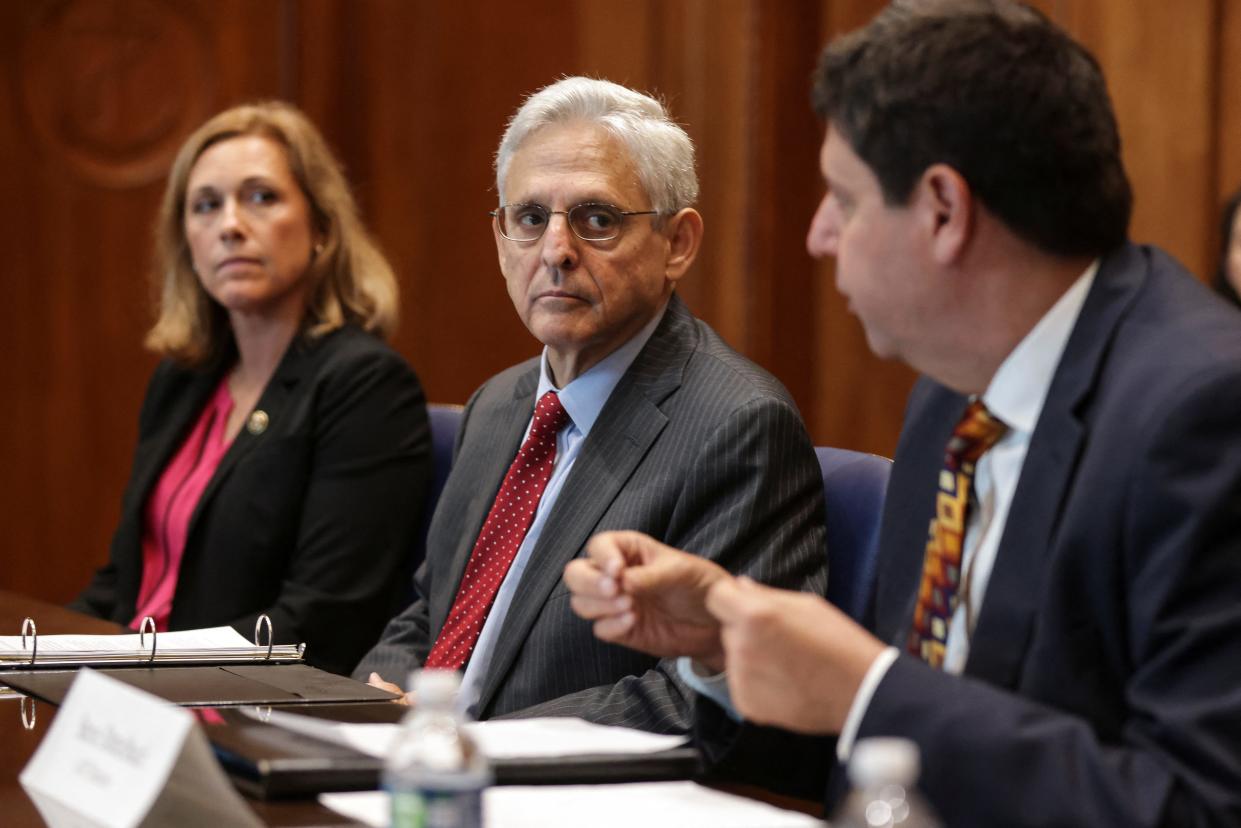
(311, 520)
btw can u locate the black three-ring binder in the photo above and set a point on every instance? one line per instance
(29, 658)
(271, 762)
(211, 676)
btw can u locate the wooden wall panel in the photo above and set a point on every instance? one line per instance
(416, 117)
(698, 66)
(413, 95)
(782, 186)
(1159, 59)
(96, 96)
(859, 398)
(1228, 105)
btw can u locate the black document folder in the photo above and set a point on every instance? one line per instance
(262, 684)
(54, 653)
(269, 762)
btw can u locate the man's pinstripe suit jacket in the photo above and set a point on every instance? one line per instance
(697, 447)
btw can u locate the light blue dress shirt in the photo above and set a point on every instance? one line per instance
(583, 399)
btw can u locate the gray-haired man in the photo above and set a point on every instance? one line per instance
(645, 420)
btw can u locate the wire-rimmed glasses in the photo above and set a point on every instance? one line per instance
(591, 221)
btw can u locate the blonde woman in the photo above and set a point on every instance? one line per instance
(283, 448)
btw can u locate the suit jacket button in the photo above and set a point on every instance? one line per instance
(257, 423)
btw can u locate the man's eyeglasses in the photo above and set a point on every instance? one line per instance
(589, 222)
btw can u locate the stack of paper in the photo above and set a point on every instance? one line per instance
(648, 804)
(224, 637)
(213, 645)
(501, 739)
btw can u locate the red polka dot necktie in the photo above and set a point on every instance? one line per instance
(941, 568)
(503, 531)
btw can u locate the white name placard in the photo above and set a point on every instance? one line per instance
(116, 757)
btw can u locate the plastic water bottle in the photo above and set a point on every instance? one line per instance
(435, 773)
(883, 773)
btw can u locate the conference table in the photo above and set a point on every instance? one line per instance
(23, 723)
(20, 736)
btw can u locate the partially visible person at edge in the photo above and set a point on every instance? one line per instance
(283, 448)
(1057, 610)
(1228, 274)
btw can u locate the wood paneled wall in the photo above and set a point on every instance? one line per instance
(413, 95)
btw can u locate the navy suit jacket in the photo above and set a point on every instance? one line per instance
(1103, 685)
(309, 522)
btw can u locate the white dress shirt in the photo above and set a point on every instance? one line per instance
(1015, 395)
(583, 399)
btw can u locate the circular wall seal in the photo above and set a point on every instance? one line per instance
(114, 86)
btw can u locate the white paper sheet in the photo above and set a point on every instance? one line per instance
(224, 637)
(649, 804)
(558, 737)
(503, 739)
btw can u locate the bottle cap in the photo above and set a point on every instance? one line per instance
(434, 687)
(876, 761)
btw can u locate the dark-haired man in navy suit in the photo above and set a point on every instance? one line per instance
(1063, 643)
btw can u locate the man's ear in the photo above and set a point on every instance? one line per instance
(684, 234)
(495, 231)
(947, 204)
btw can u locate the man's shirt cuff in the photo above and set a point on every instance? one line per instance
(712, 685)
(857, 711)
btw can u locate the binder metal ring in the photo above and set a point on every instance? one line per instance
(259, 623)
(147, 621)
(28, 624)
(29, 712)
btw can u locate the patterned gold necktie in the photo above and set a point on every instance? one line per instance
(941, 568)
